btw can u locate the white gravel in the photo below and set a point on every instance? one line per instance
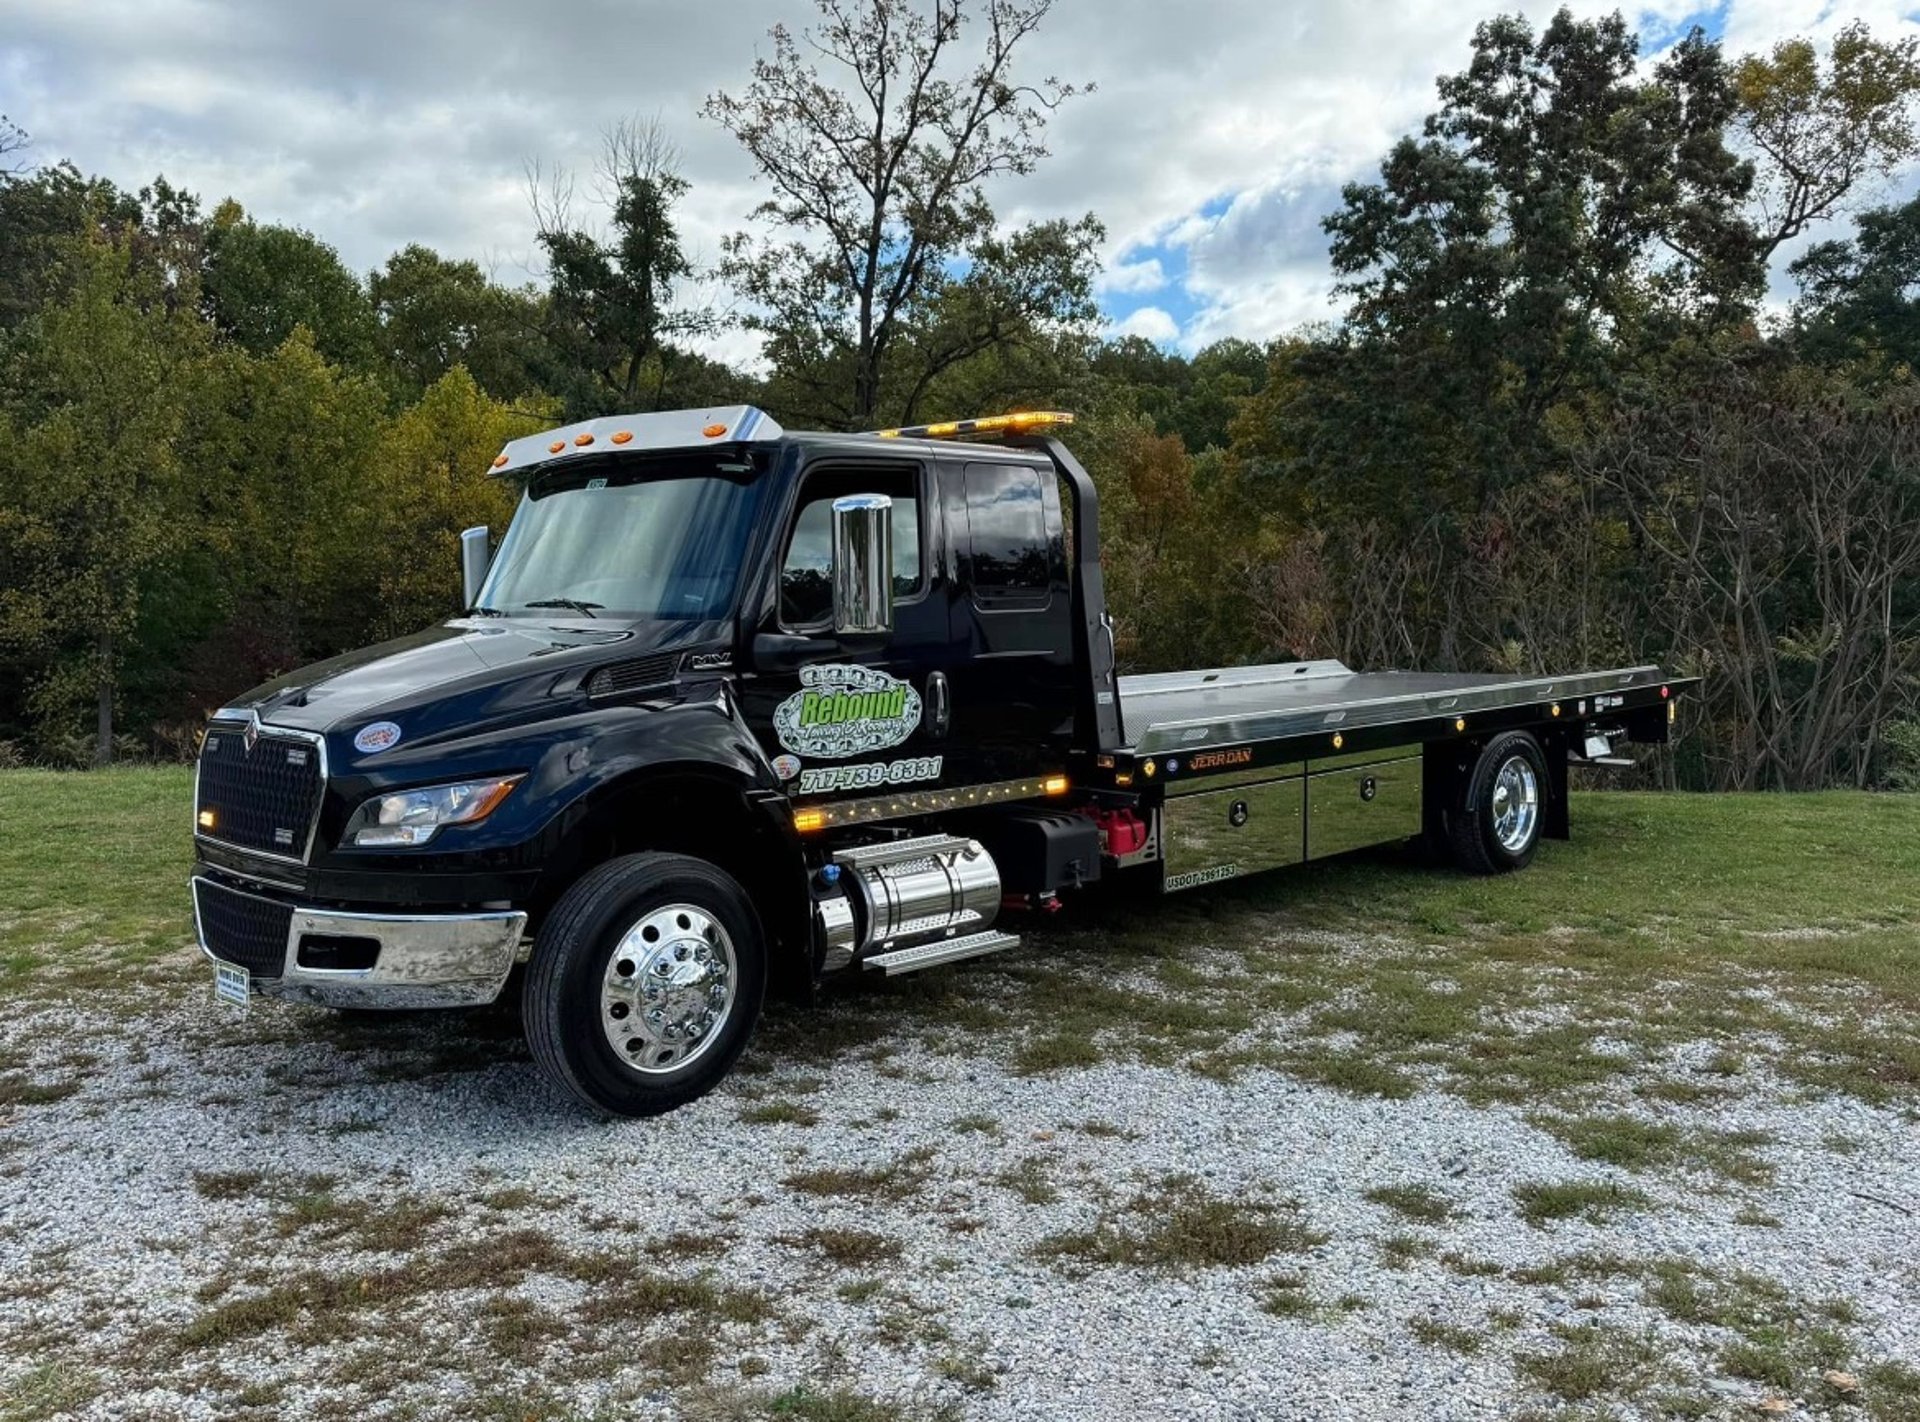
(104, 1238)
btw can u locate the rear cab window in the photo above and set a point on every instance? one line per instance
(1014, 539)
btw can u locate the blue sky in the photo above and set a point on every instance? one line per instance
(1217, 137)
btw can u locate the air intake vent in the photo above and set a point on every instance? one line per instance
(625, 677)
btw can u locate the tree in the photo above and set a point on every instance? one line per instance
(92, 486)
(440, 453)
(14, 141)
(877, 170)
(1776, 513)
(611, 312)
(435, 314)
(1821, 135)
(262, 281)
(42, 214)
(1860, 299)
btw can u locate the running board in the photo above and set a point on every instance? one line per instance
(941, 950)
(1602, 762)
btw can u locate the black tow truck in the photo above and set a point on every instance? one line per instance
(732, 711)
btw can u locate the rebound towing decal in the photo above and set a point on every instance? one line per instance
(842, 711)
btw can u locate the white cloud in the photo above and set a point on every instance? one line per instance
(1133, 278)
(1152, 323)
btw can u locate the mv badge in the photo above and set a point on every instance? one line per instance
(842, 711)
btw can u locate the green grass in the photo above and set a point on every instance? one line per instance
(1179, 1226)
(92, 860)
(1420, 1203)
(1594, 1201)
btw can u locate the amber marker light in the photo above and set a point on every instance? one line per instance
(205, 819)
(556, 446)
(622, 436)
(583, 440)
(1338, 740)
(1054, 785)
(1148, 768)
(1460, 724)
(1555, 708)
(499, 459)
(714, 431)
(807, 821)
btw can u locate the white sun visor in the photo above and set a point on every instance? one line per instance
(663, 429)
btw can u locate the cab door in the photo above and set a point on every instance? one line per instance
(849, 717)
(1013, 677)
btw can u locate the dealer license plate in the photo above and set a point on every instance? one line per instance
(231, 986)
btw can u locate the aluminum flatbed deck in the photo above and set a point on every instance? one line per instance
(1241, 705)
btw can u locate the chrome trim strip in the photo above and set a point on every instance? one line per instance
(231, 716)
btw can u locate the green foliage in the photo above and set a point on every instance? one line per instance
(94, 486)
(435, 314)
(265, 282)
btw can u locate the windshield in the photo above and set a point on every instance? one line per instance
(644, 540)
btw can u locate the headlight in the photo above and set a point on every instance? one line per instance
(413, 816)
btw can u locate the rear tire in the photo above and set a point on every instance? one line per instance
(1494, 827)
(645, 984)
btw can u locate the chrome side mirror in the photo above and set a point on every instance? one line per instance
(475, 556)
(863, 564)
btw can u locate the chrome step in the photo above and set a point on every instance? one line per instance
(873, 856)
(1602, 762)
(941, 950)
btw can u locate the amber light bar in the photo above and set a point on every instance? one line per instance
(986, 424)
(810, 818)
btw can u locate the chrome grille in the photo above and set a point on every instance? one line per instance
(264, 797)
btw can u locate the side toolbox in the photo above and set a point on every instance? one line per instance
(1354, 802)
(1221, 834)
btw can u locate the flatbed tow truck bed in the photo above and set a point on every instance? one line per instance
(1242, 705)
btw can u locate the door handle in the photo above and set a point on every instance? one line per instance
(939, 705)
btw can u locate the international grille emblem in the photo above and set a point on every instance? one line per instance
(251, 736)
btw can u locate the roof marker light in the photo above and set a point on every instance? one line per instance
(583, 440)
(714, 431)
(622, 436)
(499, 459)
(556, 446)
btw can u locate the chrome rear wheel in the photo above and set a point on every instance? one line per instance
(1516, 804)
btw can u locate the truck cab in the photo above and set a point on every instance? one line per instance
(732, 710)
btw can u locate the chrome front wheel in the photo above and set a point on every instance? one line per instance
(668, 989)
(645, 982)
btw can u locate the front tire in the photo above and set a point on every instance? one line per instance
(1494, 828)
(645, 983)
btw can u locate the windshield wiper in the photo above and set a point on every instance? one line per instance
(478, 611)
(572, 604)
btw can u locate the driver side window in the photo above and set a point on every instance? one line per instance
(806, 575)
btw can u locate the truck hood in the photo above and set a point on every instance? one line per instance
(465, 670)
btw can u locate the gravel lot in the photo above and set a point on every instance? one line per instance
(203, 1215)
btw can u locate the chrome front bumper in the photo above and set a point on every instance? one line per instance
(424, 960)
